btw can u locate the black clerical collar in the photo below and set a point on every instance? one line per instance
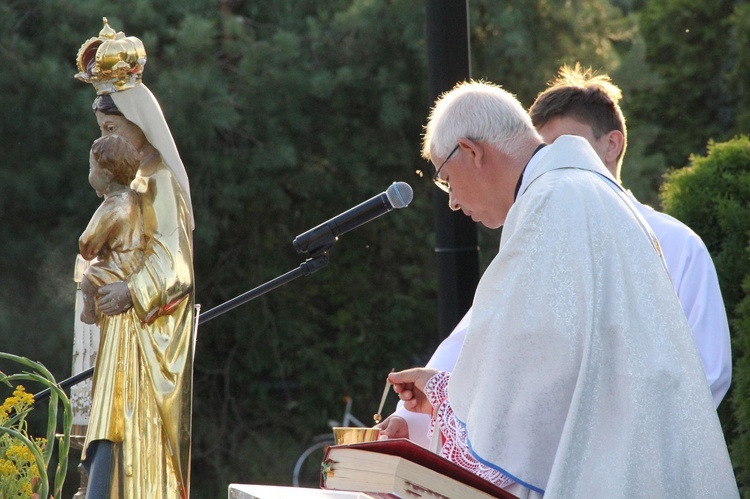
(520, 177)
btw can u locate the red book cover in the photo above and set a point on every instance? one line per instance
(408, 450)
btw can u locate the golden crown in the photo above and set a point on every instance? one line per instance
(111, 62)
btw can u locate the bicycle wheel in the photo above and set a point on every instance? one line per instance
(307, 468)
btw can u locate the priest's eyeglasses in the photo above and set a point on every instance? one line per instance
(440, 182)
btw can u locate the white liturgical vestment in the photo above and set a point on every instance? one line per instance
(579, 376)
(694, 278)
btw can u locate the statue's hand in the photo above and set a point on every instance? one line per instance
(114, 298)
(88, 317)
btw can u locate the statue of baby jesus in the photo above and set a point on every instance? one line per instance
(114, 238)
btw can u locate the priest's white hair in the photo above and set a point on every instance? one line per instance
(479, 111)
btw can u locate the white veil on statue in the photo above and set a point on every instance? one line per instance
(140, 106)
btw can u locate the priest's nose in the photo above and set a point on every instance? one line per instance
(452, 203)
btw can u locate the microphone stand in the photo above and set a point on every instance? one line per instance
(307, 267)
(317, 261)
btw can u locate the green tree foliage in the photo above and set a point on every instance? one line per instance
(507, 47)
(39, 199)
(739, 74)
(712, 195)
(689, 50)
(327, 116)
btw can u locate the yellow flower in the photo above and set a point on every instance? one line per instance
(8, 469)
(17, 463)
(20, 399)
(20, 454)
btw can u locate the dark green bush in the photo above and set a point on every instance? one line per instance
(712, 196)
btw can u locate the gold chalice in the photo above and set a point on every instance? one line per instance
(344, 435)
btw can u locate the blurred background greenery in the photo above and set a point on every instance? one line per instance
(287, 113)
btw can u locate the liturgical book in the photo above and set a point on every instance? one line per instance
(401, 468)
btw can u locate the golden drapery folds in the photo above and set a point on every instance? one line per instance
(143, 377)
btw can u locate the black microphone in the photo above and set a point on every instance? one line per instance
(322, 237)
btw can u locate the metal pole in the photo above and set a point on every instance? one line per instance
(456, 248)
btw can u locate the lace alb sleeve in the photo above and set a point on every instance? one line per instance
(455, 441)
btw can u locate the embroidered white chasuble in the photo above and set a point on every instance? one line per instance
(579, 376)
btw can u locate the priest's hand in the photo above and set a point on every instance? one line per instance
(409, 385)
(114, 298)
(393, 427)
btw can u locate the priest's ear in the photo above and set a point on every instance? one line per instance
(615, 146)
(474, 149)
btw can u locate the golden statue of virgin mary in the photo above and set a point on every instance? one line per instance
(138, 438)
